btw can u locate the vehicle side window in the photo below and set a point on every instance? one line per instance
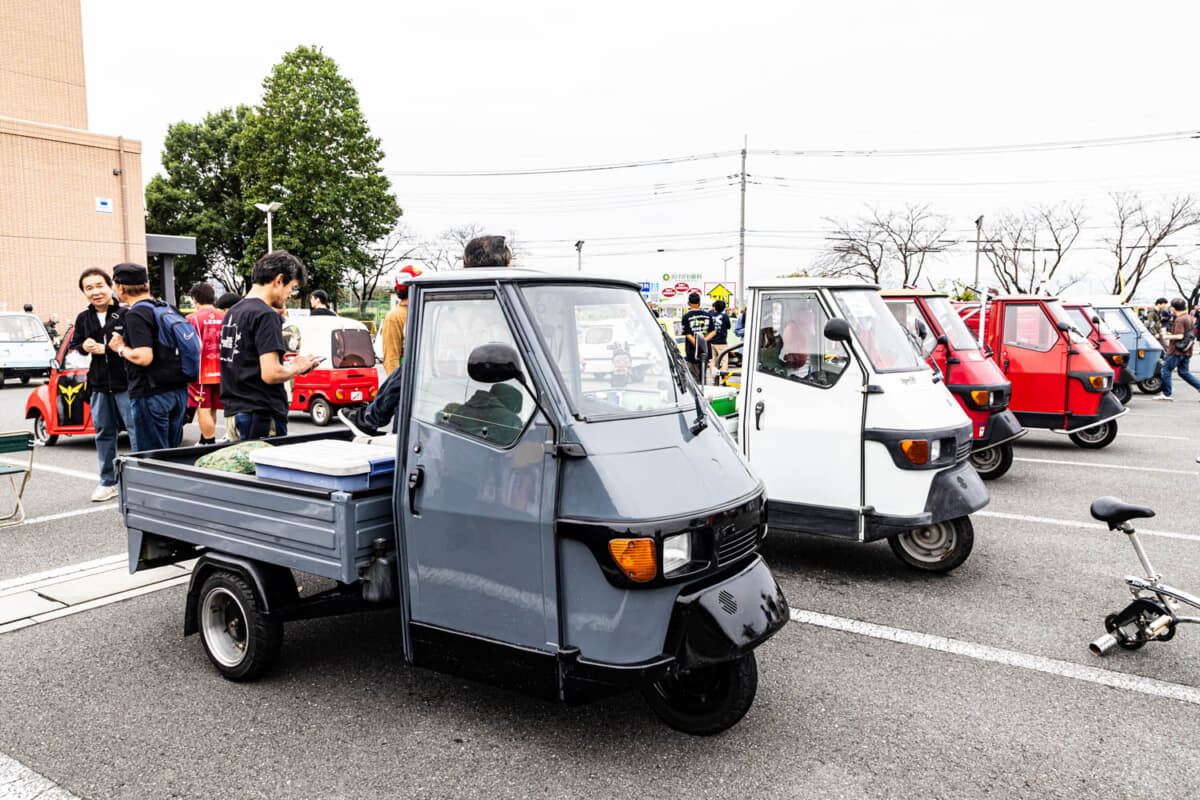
(792, 343)
(445, 395)
(913, 321)
(1028, 326)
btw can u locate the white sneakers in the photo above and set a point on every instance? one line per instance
(103, 493)
(1163, 397)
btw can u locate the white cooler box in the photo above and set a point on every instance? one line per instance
(327, 464)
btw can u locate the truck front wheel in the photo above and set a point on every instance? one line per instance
(993, 462)
(939, 547)
(1097, 437)
(707, 700)
(320, 411)
(241, 641)
(1152, 385)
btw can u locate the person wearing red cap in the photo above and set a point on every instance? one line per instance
(392, 330)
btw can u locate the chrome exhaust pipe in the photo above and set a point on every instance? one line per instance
(1104, 645)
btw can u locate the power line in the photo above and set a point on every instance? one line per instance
(657, 162)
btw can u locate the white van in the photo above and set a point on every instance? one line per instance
(25, 347)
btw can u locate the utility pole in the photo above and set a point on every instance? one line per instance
(978, 237)
(742, 231)
(579, 252)
(979, 291)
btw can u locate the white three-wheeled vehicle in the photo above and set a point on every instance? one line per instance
(852, 434)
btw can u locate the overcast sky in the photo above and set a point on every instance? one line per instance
(474, 86)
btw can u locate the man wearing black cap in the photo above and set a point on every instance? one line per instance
(699, 330)
(253, 372)
(157, 391)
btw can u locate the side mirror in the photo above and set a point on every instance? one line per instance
(837, 330)
(1096, 320)
(942, 340)
(494, 363)
(922, 331)
(1063, 325)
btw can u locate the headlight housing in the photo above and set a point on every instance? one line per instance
(677, 552)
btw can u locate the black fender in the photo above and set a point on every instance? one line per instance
(1001, 427)
(713, 622)
(273, 585)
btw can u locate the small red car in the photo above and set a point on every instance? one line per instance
(346, 377)
(1105, 339)
(60, 407)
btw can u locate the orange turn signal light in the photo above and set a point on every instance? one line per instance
(1097, 381)
(635, 557)
(980, 397)
(916, 450)
(1118, 360)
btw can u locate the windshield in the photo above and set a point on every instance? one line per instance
(1060, 315)
(21, 328)
(877, 331)
(1115, 319)
(951, 323)
(609, 350)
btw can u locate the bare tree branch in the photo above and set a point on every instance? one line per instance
(1141, 234)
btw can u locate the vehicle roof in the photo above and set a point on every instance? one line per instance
(812, 283)
(1017, 297)
(322, 321)
(465, 275)
(1102, 301)
(911, 293)
(19, 314)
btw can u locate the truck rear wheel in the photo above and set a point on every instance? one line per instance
(1097, 437)
(241, 641)
(1152, 385)
(939, 547)
(708, 700)
(993, 462)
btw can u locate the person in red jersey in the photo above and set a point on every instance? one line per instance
(205, 394)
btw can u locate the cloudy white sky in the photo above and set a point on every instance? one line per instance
(475, 86)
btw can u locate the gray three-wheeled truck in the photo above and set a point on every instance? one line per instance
(565, 532)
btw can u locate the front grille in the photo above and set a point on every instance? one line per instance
(963, 450)
(735, 544)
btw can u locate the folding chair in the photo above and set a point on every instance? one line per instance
(16, 442)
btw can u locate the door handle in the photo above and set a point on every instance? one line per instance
(758, 409)
(1006, 366)
(415, 479)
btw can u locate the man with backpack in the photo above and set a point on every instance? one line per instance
(159, 347)
(1180, 339)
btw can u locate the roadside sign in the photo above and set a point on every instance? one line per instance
(668, 291)
(681, 286)
(720, 291)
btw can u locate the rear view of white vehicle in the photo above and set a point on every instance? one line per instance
(852, 434)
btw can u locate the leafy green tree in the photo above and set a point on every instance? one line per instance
(201, 195)
(309, 148)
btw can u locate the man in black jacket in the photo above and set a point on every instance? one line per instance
(107, 385)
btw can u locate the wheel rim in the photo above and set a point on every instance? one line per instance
(986, 461)
(39, 428)
(1095, 434)
(930, 544)
(1152, 384)
(320, 412)
(223, 625)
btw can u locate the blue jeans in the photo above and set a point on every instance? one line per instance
(158, 419)
(257, 425)
(1170, 363)
(108, 412)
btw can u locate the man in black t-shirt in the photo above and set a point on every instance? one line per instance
(157, 390)
(699, 330)
(252, 370)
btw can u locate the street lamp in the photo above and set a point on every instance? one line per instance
(269, 209)
(579, 250)
(724, 269)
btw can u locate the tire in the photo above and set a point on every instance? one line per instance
(241, 641)
(939, 547)
(993, 462)
(1152, 385)
(40, 434)
(1097, 437)
(1123, 392)
(320, 411)
(706, 701)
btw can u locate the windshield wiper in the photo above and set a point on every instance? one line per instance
(685, 383)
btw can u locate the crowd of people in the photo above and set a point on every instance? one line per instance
(138, 380)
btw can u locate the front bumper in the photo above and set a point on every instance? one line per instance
(954, 493)
(1001, 427)
(1126, 376)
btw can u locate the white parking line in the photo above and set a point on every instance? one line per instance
(1071, 523)
(19, 782)
(1107, 466)
(70, 473)
(65, 514)
(1155, 436)
(1011, 658)
(72, 570)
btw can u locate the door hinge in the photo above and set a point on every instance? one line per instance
(871, 388)
(565, 450)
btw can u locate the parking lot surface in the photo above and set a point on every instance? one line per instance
(888, 682)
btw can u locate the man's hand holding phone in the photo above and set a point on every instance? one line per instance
(306, 364)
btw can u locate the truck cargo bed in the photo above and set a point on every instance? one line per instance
(319, 531)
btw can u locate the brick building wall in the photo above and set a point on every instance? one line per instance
(61, 186)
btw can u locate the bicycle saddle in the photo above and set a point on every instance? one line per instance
(1115, 512)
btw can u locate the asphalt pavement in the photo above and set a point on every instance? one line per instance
(888, 683)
